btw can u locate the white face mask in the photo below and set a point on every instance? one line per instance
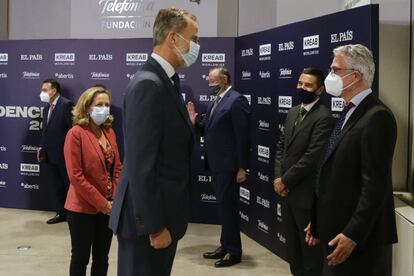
(191, 56)
(99, 114)
(44, 97)
(334, 84)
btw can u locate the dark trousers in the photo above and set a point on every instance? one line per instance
(86, 232)
(136, 257)
(373, 261)
(304, 260)
(227, 194)
(59, 176)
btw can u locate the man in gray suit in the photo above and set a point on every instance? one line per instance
(307, 129)
(151, 208)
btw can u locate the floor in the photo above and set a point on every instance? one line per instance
(49, 252)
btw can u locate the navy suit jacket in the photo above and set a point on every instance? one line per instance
(227, 134)
(158, 137)
(54, 132)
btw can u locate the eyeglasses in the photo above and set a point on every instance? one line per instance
(335, 70)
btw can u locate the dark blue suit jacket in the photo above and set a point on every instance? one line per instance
(227, 134)
(154, 187)
(54, 132)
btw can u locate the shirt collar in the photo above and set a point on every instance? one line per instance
(358, 98)
(55, 101)
(224, 93)
(309, 106)
(169, 70)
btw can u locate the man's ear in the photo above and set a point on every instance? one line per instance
(171, 39)
(320, 90)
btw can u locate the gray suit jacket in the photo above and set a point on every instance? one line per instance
(299, 152)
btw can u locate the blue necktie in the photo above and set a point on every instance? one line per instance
(337, 130)
(332, 140)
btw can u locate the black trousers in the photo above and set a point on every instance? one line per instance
(304, 260)
(57, 172)
(227, 194)
(86, 232)
(373, 261)
(136, 257)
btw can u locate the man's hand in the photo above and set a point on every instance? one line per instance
(309, 239)
(40, 155)
(280, 188)
(108, 208)
(343, 249)
(241, 176)
(192, 112)
(161, 239)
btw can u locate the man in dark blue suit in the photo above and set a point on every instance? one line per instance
(151, 207)
(227, 145)
(57, 120)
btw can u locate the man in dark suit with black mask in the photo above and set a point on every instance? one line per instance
(57, 120)
(306, 131)
(151, 207)
(354, 209)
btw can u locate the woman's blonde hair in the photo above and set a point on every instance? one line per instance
(80, 111)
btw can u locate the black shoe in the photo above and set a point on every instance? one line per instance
(56, 219)
(216, 254)
(228, 260)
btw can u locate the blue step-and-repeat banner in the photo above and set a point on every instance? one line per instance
(265, 67)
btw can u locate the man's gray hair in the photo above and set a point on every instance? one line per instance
(360, 59)
(167, 20)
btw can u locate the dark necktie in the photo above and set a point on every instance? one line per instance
(337, 130)
(332, 140)
(176, 81)
(301, 115)
(216, 101)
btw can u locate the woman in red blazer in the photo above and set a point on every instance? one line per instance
(93, 165)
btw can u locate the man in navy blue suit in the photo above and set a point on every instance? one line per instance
(57, 120)
(152, 203)
(227, 146)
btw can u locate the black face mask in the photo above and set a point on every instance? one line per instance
(306, 96)
(214, 89)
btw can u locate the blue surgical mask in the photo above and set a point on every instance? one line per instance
(191, 56)
(214, 88)
(99, 114)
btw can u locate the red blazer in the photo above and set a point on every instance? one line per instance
(86, 169)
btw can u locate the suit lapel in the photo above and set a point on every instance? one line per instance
(305, 120)
(44, 119)
(55, 109)
(94, 141)
(355, 116)
(172, 90)
(218, 108)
